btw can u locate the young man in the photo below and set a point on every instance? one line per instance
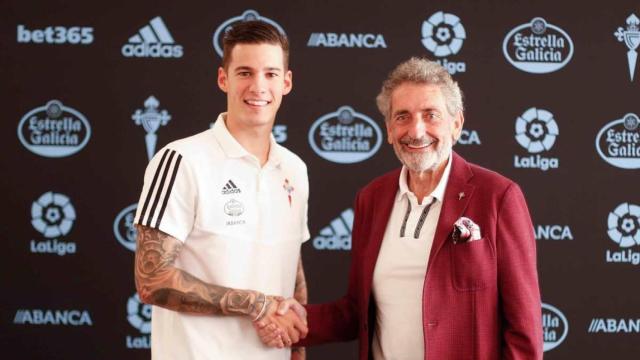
(222, 216)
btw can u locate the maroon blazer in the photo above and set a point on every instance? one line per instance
(480, 299)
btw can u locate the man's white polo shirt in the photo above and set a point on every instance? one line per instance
(242, 226)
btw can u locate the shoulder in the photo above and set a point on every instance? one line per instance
(193, 145)
(386, 182)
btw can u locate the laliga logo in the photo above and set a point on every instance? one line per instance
(443, 35)
(345, 136)
(54, 130)
(123, 227)
(536, 131)
(139, 316)
(631, 38)
(555, 327)
(538, 47)
(618, 142)
(151, 119)
(52, 215)
(227, 25)
(624, 229)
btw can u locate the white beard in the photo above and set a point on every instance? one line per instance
(427, 161)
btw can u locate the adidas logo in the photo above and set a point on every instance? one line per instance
(230, 188)
(336, 236)
(152, 40)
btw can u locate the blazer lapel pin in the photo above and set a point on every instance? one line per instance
(460, 195)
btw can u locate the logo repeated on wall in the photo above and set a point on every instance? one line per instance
(614, 326)
(139, 316)
(345, 136)
(53, 317)
(553, 232)
(53, 215)
(618, 142)
(624, 229)
(347, 40)
(151, 119)
(54, 130)
(248, 15)
(630, 36)
(538, 47)
(536, 131)
(469, 137)
(337, 235)
(555, 327)
(152, 40)
(123, 227)
(443, 35)
(56, 35)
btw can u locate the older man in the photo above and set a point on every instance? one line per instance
(444, 258)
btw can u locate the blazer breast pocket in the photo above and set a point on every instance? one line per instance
(474, 265)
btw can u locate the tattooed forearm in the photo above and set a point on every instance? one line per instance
(160, 283)
(300, 292)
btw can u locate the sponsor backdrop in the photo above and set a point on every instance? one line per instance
(92, 91)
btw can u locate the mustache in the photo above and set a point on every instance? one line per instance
(421, 141)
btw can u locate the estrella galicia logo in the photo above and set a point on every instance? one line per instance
(53, 215)
(618, 142)
(139, 316)
(228, 24)
(443, 35)
(538, 47)
(345, 136)
(555, 327)
(54, 130)
(624, 229)
(536, 131)
(123, 227)
(336, 235)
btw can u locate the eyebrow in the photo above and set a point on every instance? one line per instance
(248, 68)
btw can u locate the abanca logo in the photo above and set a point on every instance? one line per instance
(54, 130)
(345, 136)
(228, 24)
(538, 47)
(618, 142)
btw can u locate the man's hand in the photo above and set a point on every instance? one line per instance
(283, 324)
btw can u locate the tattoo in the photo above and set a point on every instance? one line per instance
(160, 283)
(300, 292)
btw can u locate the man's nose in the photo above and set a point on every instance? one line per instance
(417, 127)
(258, 84)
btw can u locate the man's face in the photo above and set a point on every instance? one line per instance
(255, 82)
(420, 128)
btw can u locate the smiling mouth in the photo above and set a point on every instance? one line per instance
(419, 146)
(254, 102)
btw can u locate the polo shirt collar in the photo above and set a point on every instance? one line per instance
(233, 149)
(437, 193)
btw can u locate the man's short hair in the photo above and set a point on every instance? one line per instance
(253, 32)
(420, 71)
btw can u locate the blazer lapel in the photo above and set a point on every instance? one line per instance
(456, 199)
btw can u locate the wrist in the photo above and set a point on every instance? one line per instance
(259, 307)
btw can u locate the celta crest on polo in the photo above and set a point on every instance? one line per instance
(336, 235)
(139, 316)
(54, 130)
(443, 35)
(248, 15)
(346, 40)
(56, 35)
(152, 40)
(623, 225)
(345, 136)
(538, 47)
(555, 327)
(53, 216)
(618, 142)
(536, 131)
(124, 229)
(151, 118)
(630, 36)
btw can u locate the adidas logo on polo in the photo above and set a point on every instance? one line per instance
(153, 40)
(230, 188)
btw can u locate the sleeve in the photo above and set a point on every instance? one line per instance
(518, 279)
(168, 199)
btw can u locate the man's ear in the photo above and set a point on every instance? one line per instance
(288, 82)
(458, 122)
(222, 79)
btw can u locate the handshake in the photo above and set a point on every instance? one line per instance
(281, 322)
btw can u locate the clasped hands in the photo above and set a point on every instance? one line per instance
(284, 322)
